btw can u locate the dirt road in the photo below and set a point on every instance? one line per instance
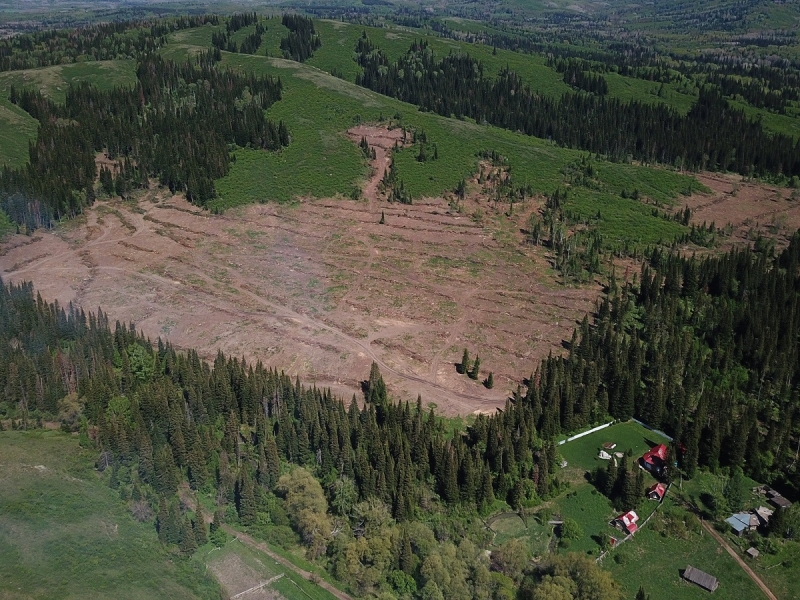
(739, 560)
(248, 541)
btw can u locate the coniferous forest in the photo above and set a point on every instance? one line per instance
(713, 135)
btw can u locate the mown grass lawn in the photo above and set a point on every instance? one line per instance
(582, 453)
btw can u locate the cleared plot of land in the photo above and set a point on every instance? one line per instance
(319, 289)
(749, 208)
(65, 534)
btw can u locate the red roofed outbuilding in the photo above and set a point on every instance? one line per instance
(657, 491)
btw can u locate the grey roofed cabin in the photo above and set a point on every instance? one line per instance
(698, 577)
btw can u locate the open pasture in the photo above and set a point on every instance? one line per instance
(65, 534)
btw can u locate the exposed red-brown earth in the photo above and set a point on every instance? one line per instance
(320, 289)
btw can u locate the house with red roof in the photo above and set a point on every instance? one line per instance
(627, 522)
(657, 491)
(655, 459)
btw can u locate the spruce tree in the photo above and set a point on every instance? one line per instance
(246, 499)
(187, 544)
(465, 363)
(489, 381)
(476, 366)
(199, 526)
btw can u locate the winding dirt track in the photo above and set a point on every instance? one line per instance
(767, 592)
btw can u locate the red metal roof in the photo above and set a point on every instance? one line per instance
(658, 488)
(628, 518)
(659, 452)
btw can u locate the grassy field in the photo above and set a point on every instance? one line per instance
(239, 568)
(54, 81)
(628, 89)
(655, 562)
(321, 161)
(536, 535)
(17, 128)
(65, 534)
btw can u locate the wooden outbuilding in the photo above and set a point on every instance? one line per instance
(701, 578)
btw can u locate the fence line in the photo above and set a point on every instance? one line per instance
(580, 435)
(653, 429)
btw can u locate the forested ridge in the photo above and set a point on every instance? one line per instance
(104, 41)
(713, 135)
(174, 125)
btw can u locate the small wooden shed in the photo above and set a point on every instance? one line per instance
(701, 578)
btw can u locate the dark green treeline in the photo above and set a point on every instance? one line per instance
(713, 135)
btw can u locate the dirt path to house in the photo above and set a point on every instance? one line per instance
(739, 560)
(249, 541)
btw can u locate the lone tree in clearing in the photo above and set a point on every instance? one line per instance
(465, 363)
(489, 382)
(476, 368)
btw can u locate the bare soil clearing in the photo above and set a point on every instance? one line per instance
(319, 289)
(749, 208)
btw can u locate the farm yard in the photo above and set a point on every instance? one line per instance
(656, 555)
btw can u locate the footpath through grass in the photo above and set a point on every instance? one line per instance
(65, 534)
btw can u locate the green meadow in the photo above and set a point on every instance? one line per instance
(65, 534)
(321, 161)
(655, 561)
(17, 128)
(54, 81)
